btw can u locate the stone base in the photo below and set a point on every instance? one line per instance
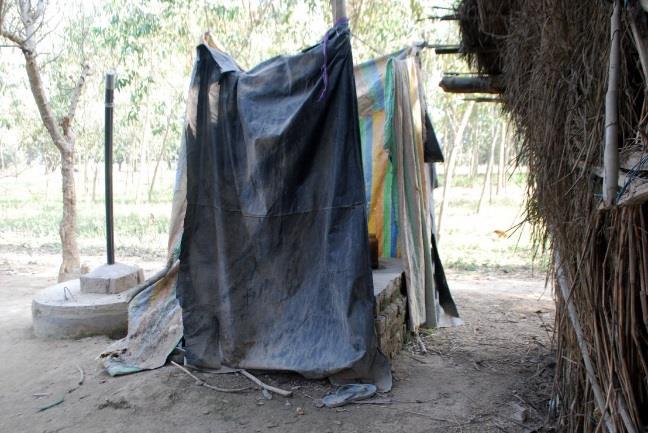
(64, 311)
(111, 279)
(391, 307)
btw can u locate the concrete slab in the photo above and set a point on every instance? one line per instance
(111, 279)
(64, 311)
(390, 269)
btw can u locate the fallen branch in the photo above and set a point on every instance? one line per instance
(51, 405)
(270, 388)
(379, 401)
(205, 384)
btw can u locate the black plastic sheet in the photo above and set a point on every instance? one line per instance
(274, 263)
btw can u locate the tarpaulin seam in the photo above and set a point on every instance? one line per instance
(353, 205)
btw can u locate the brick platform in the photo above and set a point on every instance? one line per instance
(391, 307)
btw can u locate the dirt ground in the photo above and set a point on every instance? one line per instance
(493, 374)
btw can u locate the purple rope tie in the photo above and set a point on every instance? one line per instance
(324, 68)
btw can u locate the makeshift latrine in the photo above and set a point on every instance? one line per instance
(549, 59)
(268, 264)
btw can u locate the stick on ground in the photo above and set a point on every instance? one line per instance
(81, 375)
(205, 384)
(270, 388)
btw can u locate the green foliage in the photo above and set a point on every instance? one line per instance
(151, 45)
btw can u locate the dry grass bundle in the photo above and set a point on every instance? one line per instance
(483, 26)
(553, 56)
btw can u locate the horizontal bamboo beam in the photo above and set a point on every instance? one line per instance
(448, 49)
(458, 49)
(483, 99)
(472, 84)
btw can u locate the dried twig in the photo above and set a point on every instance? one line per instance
(420, 343)
(51, 405)
(270, 388)
(81, 375)
(205, 384)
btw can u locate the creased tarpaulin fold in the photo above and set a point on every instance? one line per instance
(274, 267)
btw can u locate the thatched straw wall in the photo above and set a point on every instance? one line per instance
(553, 56)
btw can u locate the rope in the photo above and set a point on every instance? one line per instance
(324, 67)
(632, 174)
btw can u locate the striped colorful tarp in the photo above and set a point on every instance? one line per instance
(392, 111)
(380, 183)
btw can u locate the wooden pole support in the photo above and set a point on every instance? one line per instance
(339, 10)
(611, 152)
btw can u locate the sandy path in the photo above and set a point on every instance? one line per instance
(473, 379)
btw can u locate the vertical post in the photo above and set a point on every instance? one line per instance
(611, 152)
(640, 36)
(108, 158)
(339, 10)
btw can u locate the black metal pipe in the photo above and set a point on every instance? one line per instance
(108, 158)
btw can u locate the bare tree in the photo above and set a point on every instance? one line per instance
(489, 169)
(452, 161)
(23, 31)
(501, 166)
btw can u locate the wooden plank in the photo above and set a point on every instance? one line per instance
(636, 193)
(630, 160)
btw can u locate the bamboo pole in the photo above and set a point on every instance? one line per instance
(472, 84)
(565, 290)
(339, 10)
(611, 153)
(640, 36)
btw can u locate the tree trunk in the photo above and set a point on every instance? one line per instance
(146, 127)
(159, 158)
(94, 182)
(489, 169)
(501, 169)
(2, 157)
(59, 130)
(452, 161)
(85, 179)
(70, 268)
(474, 162)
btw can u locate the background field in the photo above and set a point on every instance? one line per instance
(30, 210)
